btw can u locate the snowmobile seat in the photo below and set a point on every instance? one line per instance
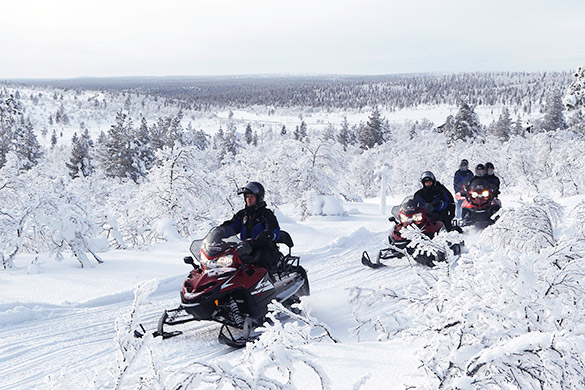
(285, 239)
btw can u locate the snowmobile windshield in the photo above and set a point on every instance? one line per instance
(412, 210)
(216, 242)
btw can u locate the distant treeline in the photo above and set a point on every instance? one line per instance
(522, 89)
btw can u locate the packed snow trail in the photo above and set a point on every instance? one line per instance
(73, 343)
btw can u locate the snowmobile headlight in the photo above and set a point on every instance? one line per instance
(225, 261)
(485, 193)
(404, 218)
(417, 217)
(474, 194)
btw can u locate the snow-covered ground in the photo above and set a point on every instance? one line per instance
(63, 326)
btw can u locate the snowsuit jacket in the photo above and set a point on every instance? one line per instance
(460, 179)
(437, 195)
(255, 222)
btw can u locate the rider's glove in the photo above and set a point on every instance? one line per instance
(264, 237)
(244, 248)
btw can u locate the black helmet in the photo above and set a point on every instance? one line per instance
(253, 188)
(480, 167)
(489, 165)
(426, 176)
(464, 163)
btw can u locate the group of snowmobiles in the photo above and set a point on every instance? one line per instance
(478, 210)
(224, 288)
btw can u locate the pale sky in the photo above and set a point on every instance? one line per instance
(77, 38)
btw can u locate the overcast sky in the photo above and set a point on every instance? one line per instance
(74, 38)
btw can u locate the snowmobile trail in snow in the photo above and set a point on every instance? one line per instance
(76, 343)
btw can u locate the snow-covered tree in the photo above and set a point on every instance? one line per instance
(554, 118)
(345, 137)
(300, 132)
(465, 125)
(373, 132)
(503, 126)
(575, 97)
(121, 151)
(248, 134)
(17, 135)
(80, 163)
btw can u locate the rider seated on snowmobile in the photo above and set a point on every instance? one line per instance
(258, 228)
(436, 194)
(477, 180)
(411, 212)
(460, 179)
(414, 211)
(492, 179)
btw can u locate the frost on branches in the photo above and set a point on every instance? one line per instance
(278, 360)
(574, 100)
(505, 319)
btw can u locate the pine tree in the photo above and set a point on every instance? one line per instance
(329, 132)
(146, 153)
(373, 132)
(17, 135)
(53, 139)
(26, 145)
(80, 161)
(465, 125)
(200, 140)
(248, 134)
(231, 140)
(300, 132)
(219, 144)
(574, 99)
(8, 121)
(283, 130)
(554, 119)
(518, 128)
(121, 152)
(344, 136)
(503, 126)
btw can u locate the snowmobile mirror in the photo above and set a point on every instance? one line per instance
(392, 219)
(189, 260)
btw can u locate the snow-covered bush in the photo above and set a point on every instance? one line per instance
(45, 215)
(529, 227)
(504, 319)
(279, 359)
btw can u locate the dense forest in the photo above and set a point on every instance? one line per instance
(390, 92)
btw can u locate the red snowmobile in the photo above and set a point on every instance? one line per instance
(411, 212)
(479, 206)
(222, 288)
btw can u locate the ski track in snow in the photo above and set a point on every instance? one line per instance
(77, 340)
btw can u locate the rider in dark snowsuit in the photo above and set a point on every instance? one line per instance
(258, 225)
(436, 194)
(460, 179)
(492, 179)
(478, 179)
